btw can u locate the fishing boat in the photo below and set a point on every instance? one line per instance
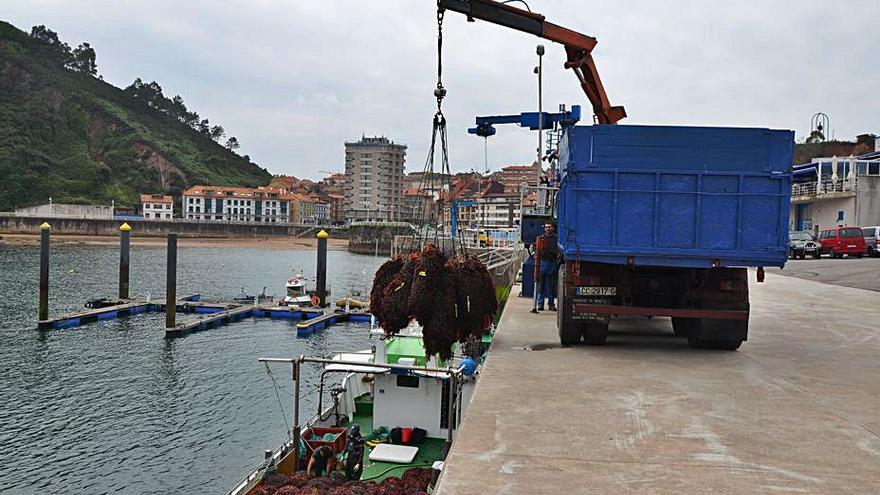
(295, 292)
(389, 388)
(298, 293)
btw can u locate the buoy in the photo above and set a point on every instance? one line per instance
(315, 301)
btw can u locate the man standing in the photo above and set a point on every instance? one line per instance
(549, 267)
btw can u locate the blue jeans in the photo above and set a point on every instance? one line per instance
(548, 283)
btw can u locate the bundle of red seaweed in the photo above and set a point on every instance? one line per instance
(414, 481)
(452, 299)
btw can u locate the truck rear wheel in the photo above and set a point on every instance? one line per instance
(569, 333)
(595, 332)
(684, 327)
(718, 334)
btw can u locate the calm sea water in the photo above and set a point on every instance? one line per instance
(114, 407)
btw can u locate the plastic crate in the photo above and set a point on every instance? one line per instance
(338, 444)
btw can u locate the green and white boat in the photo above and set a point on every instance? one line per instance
(390, 385)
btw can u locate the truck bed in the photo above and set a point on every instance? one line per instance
(675, 196)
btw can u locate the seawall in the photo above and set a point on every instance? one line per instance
(12, 224)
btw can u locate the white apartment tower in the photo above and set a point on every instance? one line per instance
(374, 179)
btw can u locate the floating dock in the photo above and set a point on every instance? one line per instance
(211, 314)
(128, 307)
(325, 320)
(793, 411)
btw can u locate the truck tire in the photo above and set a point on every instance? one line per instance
(683, 327)
(569, 333)
(698, 343)
(595, 332)
(728, 345)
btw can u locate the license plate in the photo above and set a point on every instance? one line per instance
(596, 291)
(851, 246)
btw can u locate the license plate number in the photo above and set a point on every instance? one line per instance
(596, 291)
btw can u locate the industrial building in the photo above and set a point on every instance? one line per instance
(374, 179)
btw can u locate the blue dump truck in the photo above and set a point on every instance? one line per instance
(664, 221)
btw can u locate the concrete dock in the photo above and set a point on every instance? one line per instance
(795, 410)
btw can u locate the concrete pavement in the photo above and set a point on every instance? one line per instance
(795, 410)
(861, 273)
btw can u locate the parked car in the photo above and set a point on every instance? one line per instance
(871, 235)
(843, 240)
(801, 244)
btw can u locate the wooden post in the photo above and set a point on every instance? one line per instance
(321, 279)
(171, 283)
(124, 259)
(43, 313)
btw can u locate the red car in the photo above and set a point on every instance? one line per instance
(843, 240)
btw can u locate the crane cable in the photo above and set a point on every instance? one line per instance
(428, 182)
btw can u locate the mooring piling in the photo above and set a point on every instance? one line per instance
(171, 283)
(43, 313)
(124, 259)
(321, 279)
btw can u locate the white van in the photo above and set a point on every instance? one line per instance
(872, 234)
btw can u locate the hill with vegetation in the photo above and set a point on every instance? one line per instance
(67, 134)
(817, 147)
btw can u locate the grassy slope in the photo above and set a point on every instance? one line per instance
(72, 137)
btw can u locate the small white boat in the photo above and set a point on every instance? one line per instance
(296, 292)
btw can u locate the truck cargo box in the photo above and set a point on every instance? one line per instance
(675, 196)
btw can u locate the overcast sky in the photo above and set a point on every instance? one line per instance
(294, 80)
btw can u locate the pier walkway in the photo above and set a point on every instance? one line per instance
(795, 410)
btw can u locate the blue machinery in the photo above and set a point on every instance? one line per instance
(485, 126)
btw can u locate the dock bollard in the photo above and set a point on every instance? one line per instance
(124, 259)
(321, 279)
(43, 312)
(171, 283)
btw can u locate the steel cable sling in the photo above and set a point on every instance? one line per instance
(428, 184)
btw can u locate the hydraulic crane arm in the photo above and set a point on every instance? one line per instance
(578, 47)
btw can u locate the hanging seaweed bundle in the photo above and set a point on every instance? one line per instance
(452, 299)
(475, 302)
(382, 278)
(395, 314)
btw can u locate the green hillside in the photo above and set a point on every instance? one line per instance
(66, 134)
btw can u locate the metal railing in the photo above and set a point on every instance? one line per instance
(828, 186)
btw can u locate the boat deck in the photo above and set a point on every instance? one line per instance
(429, 451)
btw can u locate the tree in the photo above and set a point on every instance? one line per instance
(232, 143)
(57, 49)
(204, 127)
(216, 133)
(45, 35)
(83, 60)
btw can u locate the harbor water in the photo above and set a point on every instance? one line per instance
(114, 407)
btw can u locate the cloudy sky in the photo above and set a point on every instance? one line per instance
(294, 80)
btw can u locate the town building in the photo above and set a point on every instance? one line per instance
(237, 204)
(337, 208)
(157, 207)
(497, 207)
(418, 180)
(513, 176)
(418, 206)
(836, 191)
(374, 179)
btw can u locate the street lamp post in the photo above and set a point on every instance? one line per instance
(539, 70)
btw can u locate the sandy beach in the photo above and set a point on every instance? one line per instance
(264, 243)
